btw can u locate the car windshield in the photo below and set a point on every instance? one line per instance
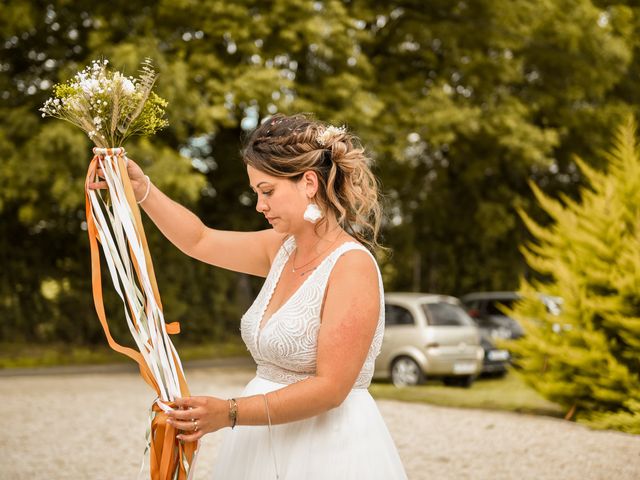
(445, 314)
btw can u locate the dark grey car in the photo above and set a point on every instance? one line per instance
(486, 310)
(496, 360)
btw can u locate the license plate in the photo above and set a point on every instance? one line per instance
(464, 367)
(498, 355)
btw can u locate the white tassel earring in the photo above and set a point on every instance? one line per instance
(312, 213)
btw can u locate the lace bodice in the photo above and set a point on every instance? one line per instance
(285, 348)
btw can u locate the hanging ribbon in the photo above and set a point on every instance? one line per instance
(117, 227)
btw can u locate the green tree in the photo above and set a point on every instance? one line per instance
(587, 357)
(460, 104)
(480, 97)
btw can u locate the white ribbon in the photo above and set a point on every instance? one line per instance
(118, 236)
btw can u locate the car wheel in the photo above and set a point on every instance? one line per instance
(460, 381)
(406, 372)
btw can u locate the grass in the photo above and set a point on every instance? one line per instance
(33, 355)
(509, 393)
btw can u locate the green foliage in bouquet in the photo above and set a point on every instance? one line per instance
(109, 106)
(586, 357)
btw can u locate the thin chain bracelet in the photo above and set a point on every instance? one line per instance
(146, 194)
(273, 452)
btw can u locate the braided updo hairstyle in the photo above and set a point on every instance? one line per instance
(288, 146)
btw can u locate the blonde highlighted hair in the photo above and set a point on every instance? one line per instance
(288, 146)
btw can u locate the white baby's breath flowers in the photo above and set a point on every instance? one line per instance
(329, 132)
(127, 86)
(89, 85)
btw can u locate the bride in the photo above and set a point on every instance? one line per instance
(316, 326)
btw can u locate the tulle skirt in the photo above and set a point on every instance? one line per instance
(350, 442)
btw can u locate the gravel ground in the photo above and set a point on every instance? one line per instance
(92, 425)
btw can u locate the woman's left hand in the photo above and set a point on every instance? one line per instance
(197, 416)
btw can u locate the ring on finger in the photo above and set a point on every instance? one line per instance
(195, 425)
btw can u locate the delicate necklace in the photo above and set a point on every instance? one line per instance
(302, 274)
(295, 269)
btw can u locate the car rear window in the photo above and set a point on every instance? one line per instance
(446, 314)
(495, 307)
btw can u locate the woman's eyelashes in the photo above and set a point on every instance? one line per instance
(266, 193)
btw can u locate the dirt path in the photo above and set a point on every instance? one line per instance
(92, 426)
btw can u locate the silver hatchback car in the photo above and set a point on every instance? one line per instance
(428, 336)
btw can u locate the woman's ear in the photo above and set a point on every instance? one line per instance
(309, 182)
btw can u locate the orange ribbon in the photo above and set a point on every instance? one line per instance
(167, 453)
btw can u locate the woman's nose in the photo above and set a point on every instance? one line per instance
(261, 206)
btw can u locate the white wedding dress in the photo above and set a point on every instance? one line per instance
(350, 442)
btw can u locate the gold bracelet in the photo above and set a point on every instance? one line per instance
(233, 412)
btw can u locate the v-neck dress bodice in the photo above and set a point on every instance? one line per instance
(347, 442)
(285, 346)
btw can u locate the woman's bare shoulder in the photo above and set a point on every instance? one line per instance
(355, 265)
(353, 286)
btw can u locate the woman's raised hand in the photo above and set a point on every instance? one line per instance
(139, 181)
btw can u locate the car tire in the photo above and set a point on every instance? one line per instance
(406, 372)
(464, 381)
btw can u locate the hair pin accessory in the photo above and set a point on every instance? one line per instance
(330, 132)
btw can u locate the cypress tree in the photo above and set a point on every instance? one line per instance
(586, 358)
